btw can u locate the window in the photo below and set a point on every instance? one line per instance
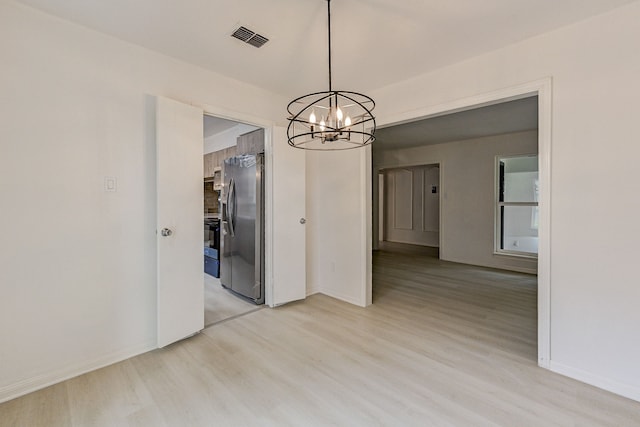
(517, 205)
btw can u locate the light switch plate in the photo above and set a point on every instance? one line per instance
(110, 184)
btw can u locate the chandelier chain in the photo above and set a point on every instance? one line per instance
(329, 32)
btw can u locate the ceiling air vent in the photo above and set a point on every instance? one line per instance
(250, 37)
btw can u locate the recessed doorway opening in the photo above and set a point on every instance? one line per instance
(231, 142)
(463, 203)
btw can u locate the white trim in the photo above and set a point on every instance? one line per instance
(515, 268)
(354, 300)
(380, 195)
(312, 292)
(366, 205)
(38, 382)
(503, 95)
(616, 387)
(412, 243)
(397, 172)
(515, 254)
(268, 212)
(423, 197)
(542, 88)
(236, 116)
(225, 113)
(426, 189)
(441, 218)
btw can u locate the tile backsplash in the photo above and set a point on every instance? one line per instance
(210, 198)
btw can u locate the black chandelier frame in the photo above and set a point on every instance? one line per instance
(304, 134)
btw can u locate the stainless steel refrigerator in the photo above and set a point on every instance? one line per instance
(242, 240)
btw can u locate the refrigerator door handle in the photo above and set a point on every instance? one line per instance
(231, 208)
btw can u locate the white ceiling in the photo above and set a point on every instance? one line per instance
(497, 119)
(375, 42)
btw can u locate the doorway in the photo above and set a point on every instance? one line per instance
(178, 131)
(220, 143)
(409, 205)
(541, 90)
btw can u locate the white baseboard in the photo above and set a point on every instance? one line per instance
(38, 382)
(407, 242)
(497, 267)
(312, 292)
(621, 389)
(345, 298)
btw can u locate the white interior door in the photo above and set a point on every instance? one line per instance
(179, 147)
(289, 242)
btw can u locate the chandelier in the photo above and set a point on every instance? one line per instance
(332, 119)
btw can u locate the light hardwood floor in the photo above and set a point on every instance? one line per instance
(443, 345)
(220, 304)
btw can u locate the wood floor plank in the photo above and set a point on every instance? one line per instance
(220, 304)
(108, 395)
(444, 344)
(43, 408)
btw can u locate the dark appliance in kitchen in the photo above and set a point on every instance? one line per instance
(212, 246)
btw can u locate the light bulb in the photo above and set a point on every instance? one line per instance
(322, 125)
(312, 120)
(339, 114)
(347, 122)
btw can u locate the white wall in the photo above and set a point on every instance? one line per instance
(594, 280)
(227, 138)
(73, 110)
(77, 264)
(336, 256)
(412, 210)
(468, 193)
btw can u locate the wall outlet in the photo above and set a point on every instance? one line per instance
(110, 184)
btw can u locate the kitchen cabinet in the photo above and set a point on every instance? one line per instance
(226, 153)
(251, 143)
(213, 161)
(248, 143)
(208, 165)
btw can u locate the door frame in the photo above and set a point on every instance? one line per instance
(543, 89)
(225, 113)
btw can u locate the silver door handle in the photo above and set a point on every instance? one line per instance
(303, 221)
(166, 232)
(231, 207)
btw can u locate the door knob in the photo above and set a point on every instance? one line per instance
(302, 220)
(165, 232)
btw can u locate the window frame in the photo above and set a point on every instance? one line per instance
(498, 209)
